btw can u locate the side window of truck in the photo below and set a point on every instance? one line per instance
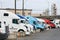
(22, 21)
(0, 24)
(27, 17)
(15, 21)
(34, 22)
(6, 14)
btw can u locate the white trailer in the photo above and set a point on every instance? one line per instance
(13, 22)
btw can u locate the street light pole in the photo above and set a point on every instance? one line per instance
(23, 8)
(15, 6)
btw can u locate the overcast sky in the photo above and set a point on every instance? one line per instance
(36, 5)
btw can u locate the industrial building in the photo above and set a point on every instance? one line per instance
(18, 11)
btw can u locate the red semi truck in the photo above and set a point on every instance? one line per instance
(47, 21)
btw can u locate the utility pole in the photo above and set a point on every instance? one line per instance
(23, 8)
(15, 6)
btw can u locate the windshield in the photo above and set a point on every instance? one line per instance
(49, 23)
(24, 21)
(41, 22)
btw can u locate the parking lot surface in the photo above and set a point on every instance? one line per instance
(52, 34)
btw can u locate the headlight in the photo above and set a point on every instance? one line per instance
(26, 28)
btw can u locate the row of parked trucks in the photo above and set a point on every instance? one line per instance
(10, 22)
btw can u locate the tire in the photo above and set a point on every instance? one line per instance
(41, 29)
(22, 33)
(49, 27)
(58, 27)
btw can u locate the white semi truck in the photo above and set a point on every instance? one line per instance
(25, 21)
(30, 27)
(57, 23)
(14, 22)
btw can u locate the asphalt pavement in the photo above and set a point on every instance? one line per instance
(52, 34)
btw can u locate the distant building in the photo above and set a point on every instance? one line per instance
(36, 14)
(46, 12)
(19, 11)
(26, 11)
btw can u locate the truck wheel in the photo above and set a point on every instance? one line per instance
(58, 27)
(41, 30)
(49, 27)
(21, 33)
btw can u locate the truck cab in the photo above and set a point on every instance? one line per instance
(25, 21)
(41, 21)
(33, 21)
(57, 23)
(51, 24)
